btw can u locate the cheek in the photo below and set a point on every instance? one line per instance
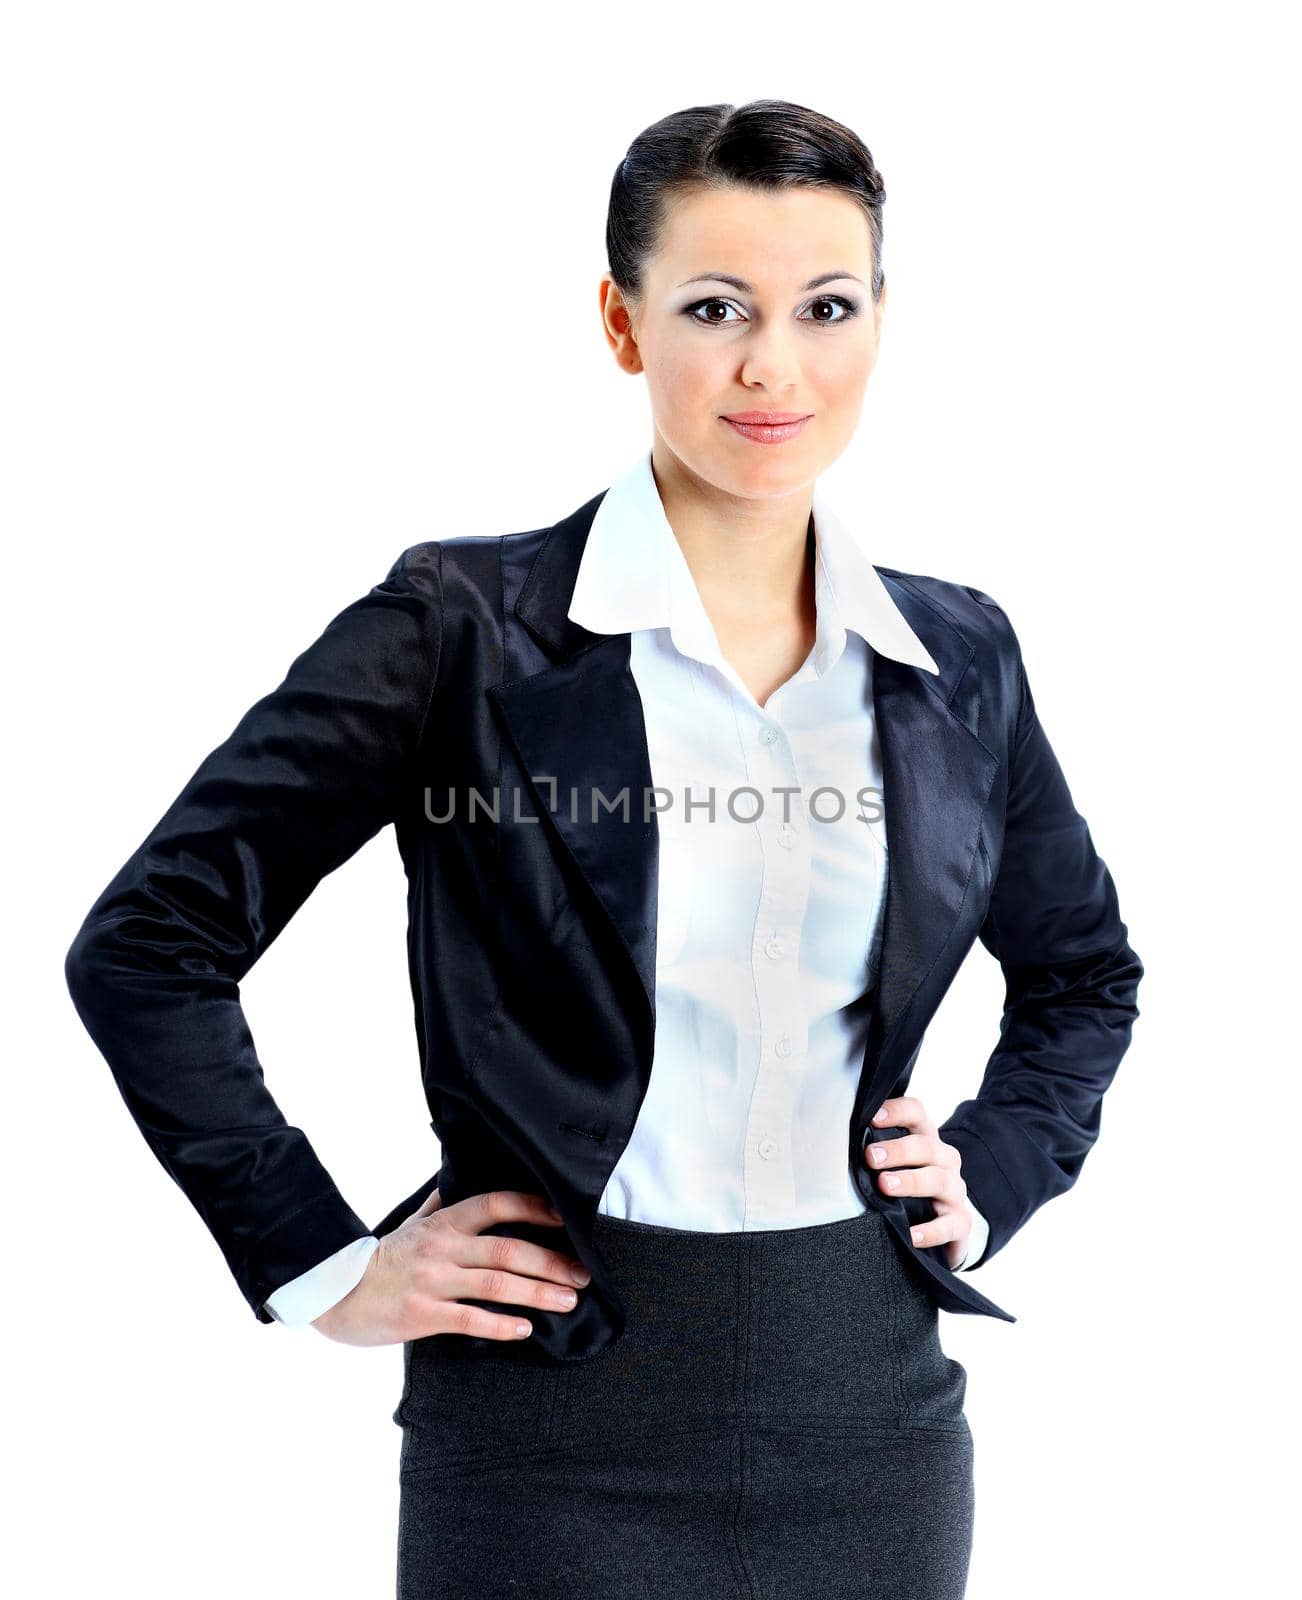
(841, 372)
(687, 376)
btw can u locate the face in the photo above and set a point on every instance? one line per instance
(754, 302)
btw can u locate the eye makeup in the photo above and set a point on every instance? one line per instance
(849, 310)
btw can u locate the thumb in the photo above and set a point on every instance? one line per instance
(430, 1206)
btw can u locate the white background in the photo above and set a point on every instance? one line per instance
(290, 287)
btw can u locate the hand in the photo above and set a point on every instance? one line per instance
(414, 1283)
(930, 1167)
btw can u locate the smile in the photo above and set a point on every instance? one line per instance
(750, 426)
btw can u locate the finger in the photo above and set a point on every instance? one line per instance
(943, 1183)
(905, 1111)
(495, 1283)
(521, 1258)
(432, 1203)
(480, 1323)
(942, 1229)
(910, 1150)
(481, 1211)
(911, 1113)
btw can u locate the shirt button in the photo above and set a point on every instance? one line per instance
(786, 835)
(783, 1044)
(768, 1148)
(768, 734)
(773, 947)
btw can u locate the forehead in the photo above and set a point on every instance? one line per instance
(771, 238)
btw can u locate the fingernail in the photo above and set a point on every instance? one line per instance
(580, 1275)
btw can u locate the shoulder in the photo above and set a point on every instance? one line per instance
(434, 564)
(969, 610)
(427, 569)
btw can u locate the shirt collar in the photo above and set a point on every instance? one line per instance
(633, 575)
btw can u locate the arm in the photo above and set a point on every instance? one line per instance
(310, 773)
(1071, 979)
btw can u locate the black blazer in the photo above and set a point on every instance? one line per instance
(532, 937)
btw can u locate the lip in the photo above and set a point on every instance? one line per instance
(767, 427)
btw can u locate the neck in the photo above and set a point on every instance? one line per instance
(750, 559)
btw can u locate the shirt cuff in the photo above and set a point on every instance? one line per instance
(300, 1301)
(976, 1240)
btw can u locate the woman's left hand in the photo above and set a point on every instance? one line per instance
(929, 1166)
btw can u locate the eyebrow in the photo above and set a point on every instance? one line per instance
(747, 288)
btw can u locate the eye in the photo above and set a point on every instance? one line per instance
(847, 306)
(716, 322)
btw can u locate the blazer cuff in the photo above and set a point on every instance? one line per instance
(299, 1302)
(299, 1242)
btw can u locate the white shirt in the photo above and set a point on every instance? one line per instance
(770, 914)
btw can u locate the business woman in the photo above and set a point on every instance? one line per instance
(700, 812)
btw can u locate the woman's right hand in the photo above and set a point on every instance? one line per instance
(415, 1283)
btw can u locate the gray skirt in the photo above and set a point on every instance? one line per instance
(778, 1421)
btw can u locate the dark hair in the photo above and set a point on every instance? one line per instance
(765, 144)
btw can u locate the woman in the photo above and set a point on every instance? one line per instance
(700, 813)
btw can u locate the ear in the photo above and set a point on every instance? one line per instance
(617, 324)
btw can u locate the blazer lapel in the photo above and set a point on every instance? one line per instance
(578, 729)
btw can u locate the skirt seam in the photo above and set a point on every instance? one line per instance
(896, 1354)
(853, 1427)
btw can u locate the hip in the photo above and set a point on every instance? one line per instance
(827, 1329)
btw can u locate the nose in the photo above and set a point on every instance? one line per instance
(770, 362)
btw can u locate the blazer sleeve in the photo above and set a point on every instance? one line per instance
(310, 773)
(1071, 980)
